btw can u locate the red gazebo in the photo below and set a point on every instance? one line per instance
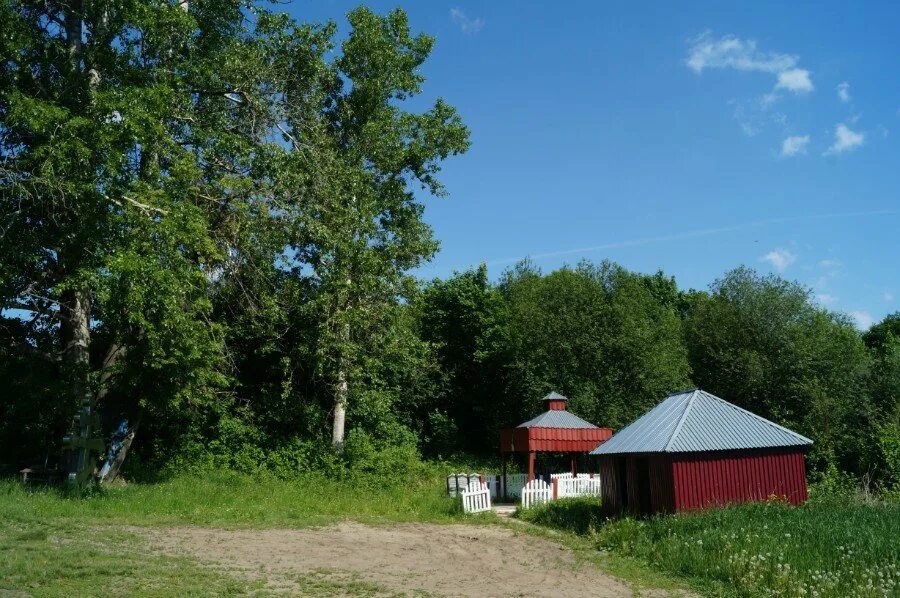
(554, 431)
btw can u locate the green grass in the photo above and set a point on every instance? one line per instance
(233, 500)
(56, 543)
(825, 548)
(55, 558)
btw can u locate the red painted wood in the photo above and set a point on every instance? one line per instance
(554, 440)
(705, 479)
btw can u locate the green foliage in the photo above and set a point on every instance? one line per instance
(597, 334)
(760, 343)
(463, 319)
(888, 454)
(211, 213)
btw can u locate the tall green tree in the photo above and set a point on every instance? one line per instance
(609, 339)
(883, 341)
(463, 318)
(360, 228)
(760, 342)
(136, 144)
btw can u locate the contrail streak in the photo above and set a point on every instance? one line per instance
(703, 232)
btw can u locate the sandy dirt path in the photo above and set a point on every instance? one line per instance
(351, 558)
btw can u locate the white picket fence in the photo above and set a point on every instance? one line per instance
(578, 486)
(477, 498)
(535, 492)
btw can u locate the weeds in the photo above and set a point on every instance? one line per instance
(827, 548)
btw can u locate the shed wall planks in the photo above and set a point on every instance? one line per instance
(708, 479)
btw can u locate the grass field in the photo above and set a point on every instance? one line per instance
(54, 543)
(836, 547)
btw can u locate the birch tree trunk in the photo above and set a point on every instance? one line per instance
(342, 386)
(340, 410)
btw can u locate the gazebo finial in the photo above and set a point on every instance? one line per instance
(553, 401)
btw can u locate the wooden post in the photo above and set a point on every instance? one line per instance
(530, 465)
(555, 488)
(574, 464)
(503, 457)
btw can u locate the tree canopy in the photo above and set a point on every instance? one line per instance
(210, 220)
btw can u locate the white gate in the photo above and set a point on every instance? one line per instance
(514, 484)
(477, 498)
(535, 492)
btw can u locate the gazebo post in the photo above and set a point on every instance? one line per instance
(574, 464)
(503, 456)
(530, 465)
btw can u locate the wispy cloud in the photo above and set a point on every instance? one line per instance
(826, 299)
(466, 24)
(888, 296)
(793, 145)
(780, 259)
(863, 319)
(843, 92)
(845, 139)
(731, 52)
(830, 263)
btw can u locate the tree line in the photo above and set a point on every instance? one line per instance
(209, 217)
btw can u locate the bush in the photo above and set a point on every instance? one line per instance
(580, 515)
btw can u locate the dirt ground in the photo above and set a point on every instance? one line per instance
(417, 559)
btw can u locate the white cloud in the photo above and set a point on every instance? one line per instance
(793, 145)
(830, 263)
(735, 53)
(780, 259)
(731, 52)
(843, 92)
(888, 296)
(466, 24)
(796, 80)
(826, 299)
(864, 319)
(845, 140)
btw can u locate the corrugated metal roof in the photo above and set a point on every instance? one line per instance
(696, 420)
(554, 396)
(557, 419)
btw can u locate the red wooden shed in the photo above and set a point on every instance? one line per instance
(695, 450)
(554, 431)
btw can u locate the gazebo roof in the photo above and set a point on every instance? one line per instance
(694, 421)
(556, 418)
(555, 430)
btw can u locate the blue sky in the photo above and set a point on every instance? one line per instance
(687, 138)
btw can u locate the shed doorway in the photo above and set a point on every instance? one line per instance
(643, 486)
